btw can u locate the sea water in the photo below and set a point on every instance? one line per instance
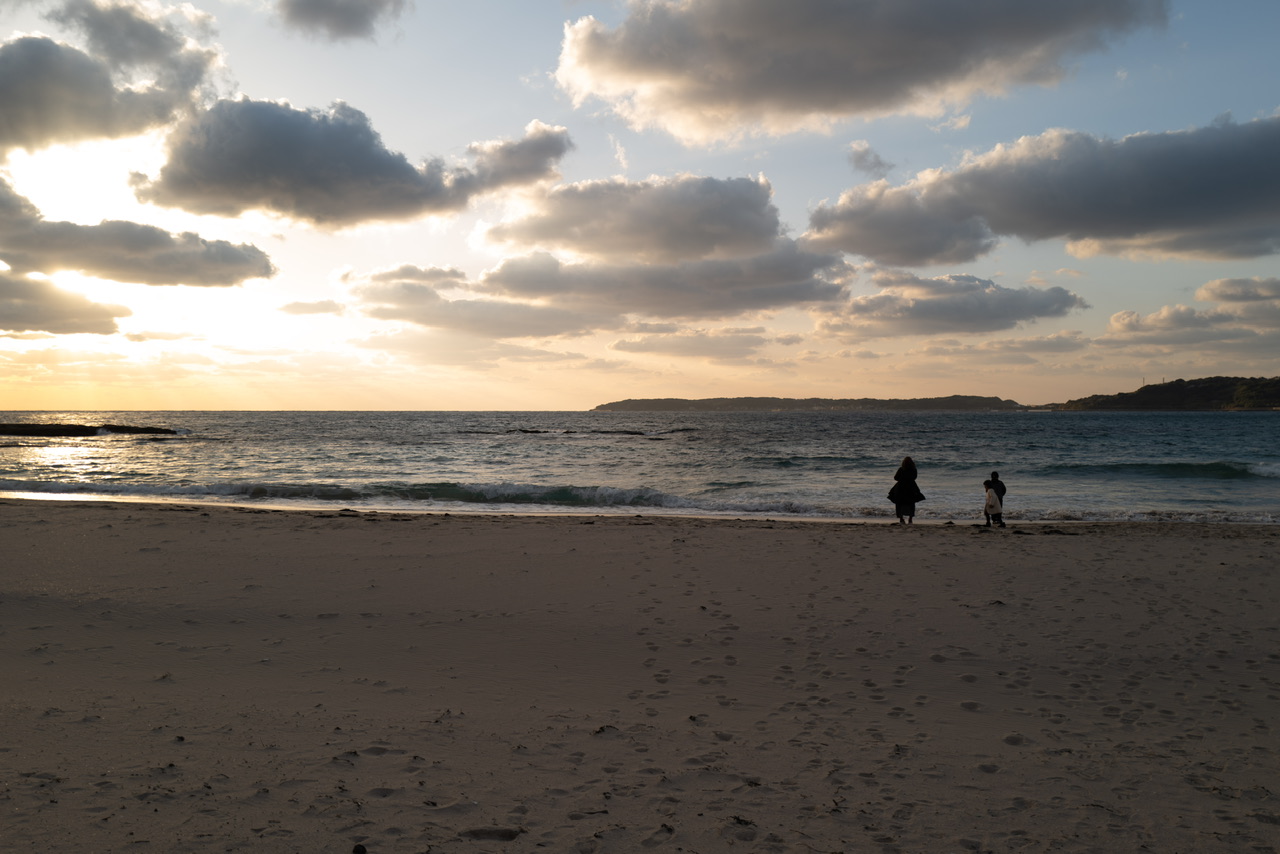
(1058, 465)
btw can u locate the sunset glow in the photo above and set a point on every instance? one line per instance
(331, 206)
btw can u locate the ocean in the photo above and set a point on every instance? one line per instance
(1059, 466)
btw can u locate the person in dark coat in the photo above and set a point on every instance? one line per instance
(998, 485)
(905, 493)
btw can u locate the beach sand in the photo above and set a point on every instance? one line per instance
(181, 678)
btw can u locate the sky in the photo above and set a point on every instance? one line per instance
(517, 205)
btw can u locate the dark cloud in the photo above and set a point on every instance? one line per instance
(339, 19)
(896, 226)
(54, 93)
(910, 305)
(1208, 193)
(124, 251)
(660, 220)
(51, 93)
(710, 69)
(124, 36)
(31, 305)
(864, 158)
(714, 288)
(328, 167)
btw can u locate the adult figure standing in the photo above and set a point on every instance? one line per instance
(905, 492)
(998, 485)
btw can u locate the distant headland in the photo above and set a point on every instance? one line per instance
(1208, 394)
(958, 402)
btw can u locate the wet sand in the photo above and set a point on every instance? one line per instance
(182, 678)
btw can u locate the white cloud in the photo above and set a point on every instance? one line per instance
(706, 70)
(1208, 193)
(660, 220)
(717, 345)
(910, 305)
(713, 288)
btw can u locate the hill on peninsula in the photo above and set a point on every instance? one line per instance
(956, 402)
(1207, 394)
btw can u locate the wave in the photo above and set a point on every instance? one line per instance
(569, 431)
(426, 493)
(514, 498)
(1218, 470)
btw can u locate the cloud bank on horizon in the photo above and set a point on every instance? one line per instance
(370, 227)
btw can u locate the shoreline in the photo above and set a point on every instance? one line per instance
(603, 512)
(194, 677)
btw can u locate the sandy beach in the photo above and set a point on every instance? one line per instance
(191, 678)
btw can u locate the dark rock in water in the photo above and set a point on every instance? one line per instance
(79, 430)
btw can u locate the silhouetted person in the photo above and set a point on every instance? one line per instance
(992, 508)
(998, 485)
(905, 493)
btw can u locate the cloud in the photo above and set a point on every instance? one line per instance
(1172, 325)
(120, 250)
(539, 296)
(142, 337)
(718, 345)
(1207, 193)
(125, 36)
(327, 306)
(1251, 302)
(1243, 325)
(713, 288)
(1256, 289)
(339, 19)
(1008, 351)
(910, 305)
(459, 349)
(706, 70)
(659, 220)
(429, 275)
(421, 304)
(895, 225)
(55, 93)
(31, 305)
(329, 167)
(864, 159)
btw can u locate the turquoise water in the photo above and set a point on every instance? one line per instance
(1058, 465)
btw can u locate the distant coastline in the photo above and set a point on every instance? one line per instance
(1210, 394)
(953, 403)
